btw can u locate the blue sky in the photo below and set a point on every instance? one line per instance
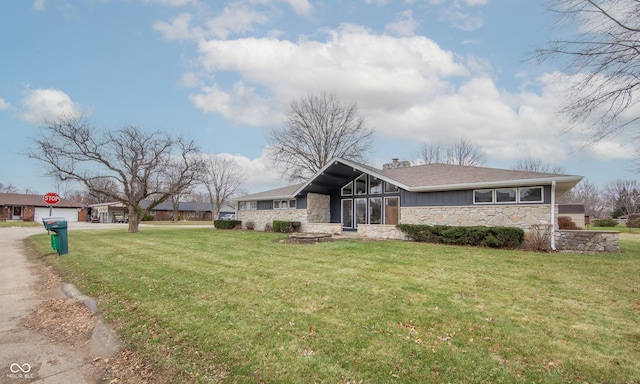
(223, 74)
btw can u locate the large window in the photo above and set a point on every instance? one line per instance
(521, 195)
(347, 190)
(531, 195)
(375, 210)
(247, 205)
(284, 204)
(390, 188)
(375, 185)
(361, 211)
(361, 184)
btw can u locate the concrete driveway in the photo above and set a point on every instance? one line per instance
(27, 356)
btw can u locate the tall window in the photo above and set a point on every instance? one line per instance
(375, 185)
(361, 184)
(375, 210)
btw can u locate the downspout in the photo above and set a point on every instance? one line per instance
(553, 215)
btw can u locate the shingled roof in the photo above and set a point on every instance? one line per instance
(22, 200)
(421, 178)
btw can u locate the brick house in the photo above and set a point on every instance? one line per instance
(21, 207)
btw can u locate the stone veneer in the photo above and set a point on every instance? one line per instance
(587, 241)
(318, 211)
(520, 216)
(383, 232)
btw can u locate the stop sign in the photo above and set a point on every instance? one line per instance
(51, 198)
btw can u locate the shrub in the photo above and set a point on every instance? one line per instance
(250, 225)
(605, 222)
(268, 227)
(286, 226)
(633, 223)
(495, 237)
(539, 238)
(227, 224)
(565, 222)
(148, 218)
(276, 225)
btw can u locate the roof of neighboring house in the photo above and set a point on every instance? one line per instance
(421, 178)
(20, 199)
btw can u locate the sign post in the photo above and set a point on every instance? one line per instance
(51, 199)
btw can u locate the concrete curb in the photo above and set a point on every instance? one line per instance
(102, 334)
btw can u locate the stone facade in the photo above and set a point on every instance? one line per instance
(332, 228)
(318, 208)
(587, 241)
(261, 218)
(382, 232)
(520, 216)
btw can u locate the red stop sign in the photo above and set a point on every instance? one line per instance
(51, 198)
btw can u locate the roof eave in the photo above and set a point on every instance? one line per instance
(497, 184)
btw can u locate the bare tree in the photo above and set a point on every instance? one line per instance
(605, 57)
(319, 128)
(623, 196)
(533, 165)
(136, 161)
(104, 188)
(460, 152)
(222, 177)
(589, 195)
(9, 188)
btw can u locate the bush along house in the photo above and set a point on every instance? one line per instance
(345, 196)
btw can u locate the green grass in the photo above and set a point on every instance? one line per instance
(231, 306)
(8, 224)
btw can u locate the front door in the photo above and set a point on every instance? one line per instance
(391, 210)
(17, 213)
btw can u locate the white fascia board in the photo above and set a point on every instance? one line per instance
(497, 184)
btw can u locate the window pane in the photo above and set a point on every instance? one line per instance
(276, 204)
(292, 204)
(361, 211)
(347, 213)
(483, 196)
(375, 185)
(347, 190)
(375, 210)
(531, 194)
(390, 187)
(361, 185)
(506, 195)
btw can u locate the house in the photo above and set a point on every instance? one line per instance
(22, 207)
(188, 211)
(348, 196)
(575, 212)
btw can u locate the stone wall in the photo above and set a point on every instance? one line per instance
(383, 232)
(587, 241)
(318, 208)
(332, 228)
(261, 217)
(520, 216)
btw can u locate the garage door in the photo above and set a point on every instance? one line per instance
(71, 214)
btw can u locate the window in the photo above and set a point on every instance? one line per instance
(247, 205)
(390, 188)
(361, 211)
(361, 184)
(347, 190)
(375, 210)
(531, 195)
(284, 204)
(483, 196)
(506, 195)
(375, 185)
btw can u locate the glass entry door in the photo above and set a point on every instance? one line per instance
(347, 213)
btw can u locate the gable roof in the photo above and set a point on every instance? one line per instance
(20, 199)
(421, 178)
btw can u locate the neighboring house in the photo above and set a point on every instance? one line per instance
(21, 207)
(348, 196)
(188, 211)
(575, 212)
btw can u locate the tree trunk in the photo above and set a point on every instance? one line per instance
(135, 217)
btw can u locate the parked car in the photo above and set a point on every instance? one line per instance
(228, 216)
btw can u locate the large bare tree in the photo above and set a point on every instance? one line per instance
(222, 177)
(604, 56)
(623, 196)
(589, 195)
(460, 152)
(136, 161)
(319, 127)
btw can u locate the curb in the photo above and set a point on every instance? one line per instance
(102, 333)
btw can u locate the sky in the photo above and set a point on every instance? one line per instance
(224, 74)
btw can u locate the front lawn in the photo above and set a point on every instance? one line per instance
(240, 307)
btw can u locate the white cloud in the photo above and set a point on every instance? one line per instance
(405, 24)
(171, 3)
(606, 150)
(41, 105)
(38, 5)
(260, 174)
(4, 105)
(301, 7)
(179, 28)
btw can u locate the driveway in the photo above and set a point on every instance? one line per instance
(27, 356)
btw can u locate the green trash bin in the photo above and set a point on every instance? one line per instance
(59, 238)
